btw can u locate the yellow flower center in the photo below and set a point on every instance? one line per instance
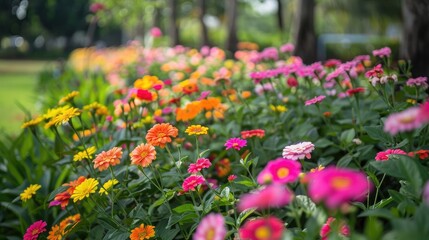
(282, 172)
(144, 154)
(340, 182)
(210, 235)
(235, 145)
(262, 232)
(407, 119)
(35, 231)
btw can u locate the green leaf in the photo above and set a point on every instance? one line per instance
(322, 143)
(381, 212)
(347, 136)
(373, 229)
(188, 207)
(181, 218)
(406, 168)
(377, 133)
(243, 215)
(345, 161)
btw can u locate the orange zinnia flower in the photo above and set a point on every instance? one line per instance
(107, 159)
(142, 232)
(143, 155)
(160, 134)
(189, 112)
(73, 184)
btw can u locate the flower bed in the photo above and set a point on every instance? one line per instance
(177, 143)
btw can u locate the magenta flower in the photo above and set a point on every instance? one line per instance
(407, 120)
(344, 229)
(384, 156)
(191, 182)
(298, 151)
(274, 195)
(336, 186)
(315, 100)
(382, 52)
(418, 82)
(269, 228)
(288, 47)
(155, 32)
(211, 227)
(280, 170)
(236, 143)
(199, 165)
(232, 177)
(34, 230)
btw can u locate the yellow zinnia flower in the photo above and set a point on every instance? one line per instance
(63, 117)
(84, 189)
(84, 154)
(196, 130)
(29, 192)
(32, 122)
(107, 185)
(69, 97)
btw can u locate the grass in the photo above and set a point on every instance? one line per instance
(18, 79)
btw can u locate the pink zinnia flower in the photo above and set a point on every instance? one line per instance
(292, 82)
(382, 52)
(270, 228)
(274, 195)
(334, 74)
(353, 91)
(191, 182)
(253, 133)
(288, 47)
(34, 230)
(212, 227)
(344, 230)
(199, 165)
(236, 143)
(377, 71)
(336, 186)
(96, 7)
(315, 100)
(298, 151)
(418, 82)
(232, 177)
(280, 170)
(407, 120)
(155, 32)
(383, 156)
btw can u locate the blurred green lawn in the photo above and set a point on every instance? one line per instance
(18, 80)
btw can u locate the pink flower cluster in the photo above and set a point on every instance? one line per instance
(418, 82)
(382, 52)
(384, 155)
(199, 165)
(376, 76)
(407, 120)
(315, 100)
(274, 195)
(280, 171)
(288, 47)
(298, 151)
(336, 186)
(326, 229)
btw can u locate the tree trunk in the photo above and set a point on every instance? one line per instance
(305, 37)
(231, 18)
(204, 34)
(173, 28)
(415, 42)
(280, 23)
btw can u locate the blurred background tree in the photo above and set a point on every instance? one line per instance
(320, 29)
